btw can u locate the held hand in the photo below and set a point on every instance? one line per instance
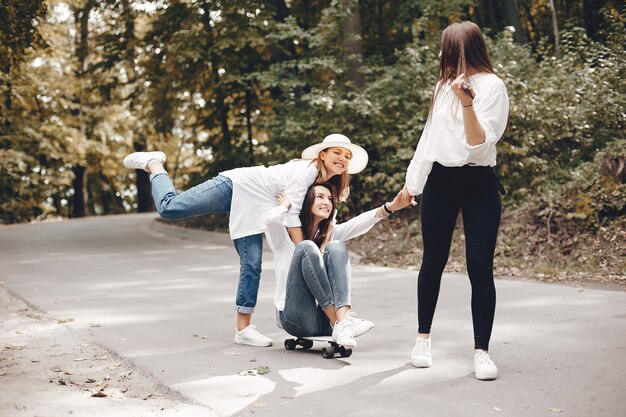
(282, 200)
(464, 91)
(401, 200)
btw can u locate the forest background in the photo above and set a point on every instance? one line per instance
(223, 84)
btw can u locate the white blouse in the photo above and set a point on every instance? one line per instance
(283, 247)
(443, 139)
(254, 190)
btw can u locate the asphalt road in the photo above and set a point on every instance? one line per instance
(163, 298)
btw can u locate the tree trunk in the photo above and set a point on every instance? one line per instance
(353, 44)
(8, 100)
(592, 17)
(145, 203)
(224, 151)
(222, 108)
(249, 123)
(512, 18)
(79, 201)
(80, 208)
(555, 25)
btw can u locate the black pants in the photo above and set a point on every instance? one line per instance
(471, 189)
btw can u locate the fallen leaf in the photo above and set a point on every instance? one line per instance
(113, 367)
(262, 370)
(95, 325)
(555, 410)
(16, 346)
(100, 394)
(61, 321)
(90, 381)
(250, 372)
(68, 373)
(56, 369)
(80, 359)
(2, 373)
(259, 405)
(101, 358)
(497, 409)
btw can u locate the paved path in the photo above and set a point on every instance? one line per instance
(163, 299)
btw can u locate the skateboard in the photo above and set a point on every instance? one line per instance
(328, 352)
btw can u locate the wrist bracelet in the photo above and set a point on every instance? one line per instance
(389, 212)
(469, 105)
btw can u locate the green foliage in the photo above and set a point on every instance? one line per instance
(564, 111)
(223, 84)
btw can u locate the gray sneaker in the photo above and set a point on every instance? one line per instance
(484, 368)
(252, 337)
(420, 358)
(343, 334)
(140, 160)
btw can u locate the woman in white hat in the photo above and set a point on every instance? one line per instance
(246, 194)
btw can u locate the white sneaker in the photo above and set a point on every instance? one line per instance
(343, 333)
(140, 160)
(484, 368)
(359, 326)
(420, 358)
(251, 336)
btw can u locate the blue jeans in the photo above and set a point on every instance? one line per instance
(315, 282)
(213, 196)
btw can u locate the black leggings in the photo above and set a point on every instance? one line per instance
(472, 189)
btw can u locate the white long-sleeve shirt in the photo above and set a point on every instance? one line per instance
(283, 247)
(443, 139)
(254, 191)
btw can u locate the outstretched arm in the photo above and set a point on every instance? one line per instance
(400, 201)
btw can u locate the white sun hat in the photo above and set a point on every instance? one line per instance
(358, 162)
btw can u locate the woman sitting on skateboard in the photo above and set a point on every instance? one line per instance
(313, 277)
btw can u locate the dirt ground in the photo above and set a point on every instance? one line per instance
(48, 369)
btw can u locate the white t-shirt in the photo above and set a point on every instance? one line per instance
(283, 247)
(254, 190)
(443, 139)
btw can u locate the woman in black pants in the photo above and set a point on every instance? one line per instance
(453, 170)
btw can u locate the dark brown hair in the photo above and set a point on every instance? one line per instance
(462, 48)
(318, 236)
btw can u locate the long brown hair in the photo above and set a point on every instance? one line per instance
(462, 48)
(318, 236)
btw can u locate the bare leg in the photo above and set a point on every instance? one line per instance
(155, 166)
(243, 321)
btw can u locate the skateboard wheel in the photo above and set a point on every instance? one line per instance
(290, 344)
(345, 352)
(328, 353)
(307, 344)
